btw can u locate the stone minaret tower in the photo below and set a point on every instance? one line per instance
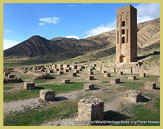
(126, 35)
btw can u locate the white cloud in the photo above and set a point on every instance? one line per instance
(148, 11)
(100, 29)
(72, 36)
(41, 24)
(48, 20)
(9, 43)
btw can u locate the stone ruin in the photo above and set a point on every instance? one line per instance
(6, 73)
(60, 73)
(65, 81)
(142, 74)
(103, 71)
(11, 78)
(115, 80)
(89, 86)
(89, 77)
(132, 77)
(50, 71)
(120, 72)
(43, 76)
(66, 70)
(149, 85)
(74, 74)
(29, 85)
(74, 67)
(76, 71)
(133, 96)
(90, 70)
(47, 95)
(106, 74)
(90, 110)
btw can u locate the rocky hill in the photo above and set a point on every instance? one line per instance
(148, 35)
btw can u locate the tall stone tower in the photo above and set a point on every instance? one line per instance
(126, 35)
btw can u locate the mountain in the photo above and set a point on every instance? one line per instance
(148, 33)
(148, 36)
(39, 46)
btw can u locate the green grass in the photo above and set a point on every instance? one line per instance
(104, 81)
(7, 88)
(37, 116)
(63, 87)
(20, 95)
(27, 94)
(152, 77)
(40, 81)
(26, 77)
(141, 112)
(145, 113)
(133, 85)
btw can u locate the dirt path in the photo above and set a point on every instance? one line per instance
(113, 105)
(21, 105)
(63, 122)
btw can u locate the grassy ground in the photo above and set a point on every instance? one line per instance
(144, 113)
(26, 94)
(7, 88)
(37, 116)
(40, 80)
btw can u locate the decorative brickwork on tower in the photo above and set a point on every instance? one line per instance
(126, 35)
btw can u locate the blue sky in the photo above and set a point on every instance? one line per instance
(22, 20)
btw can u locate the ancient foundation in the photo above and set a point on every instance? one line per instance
(89, 86)
(90, 110)
(29, 85)
(47, 94)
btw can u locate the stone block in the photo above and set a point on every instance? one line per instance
(43, 76)
(106, 74)
(90, 73)
(74, 74)
(65, 81)
(76, 71)
(66, 70)
(115, 80)
(11, 76)
(51, 71)
(60, 73)
(74, 66)
(89, 86)
(6, 74)
(133, 96)
(90, 109)
(29, 85)
(149, 85)
(132, 78)
(103, 71)
(120, 72)
(89, 77)
(142, 74)
(47, 94)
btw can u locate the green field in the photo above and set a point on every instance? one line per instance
(26, 94)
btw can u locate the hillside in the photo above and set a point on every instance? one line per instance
(148, 36)
(39, 46)
(148, 33)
